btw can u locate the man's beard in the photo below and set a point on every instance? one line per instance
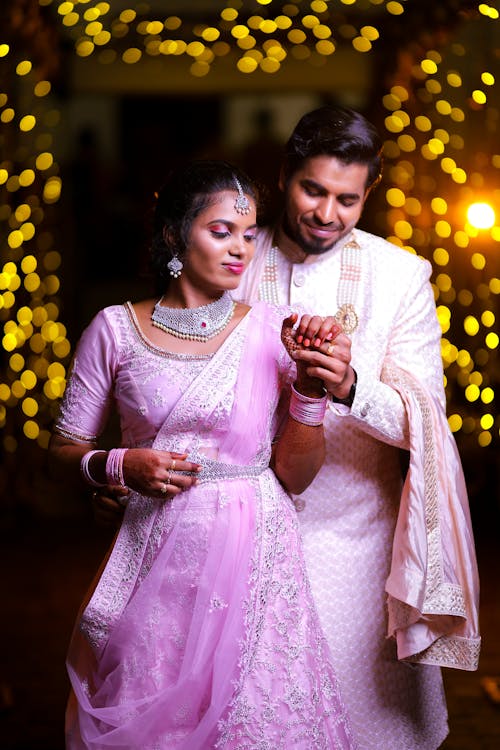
(310, 247)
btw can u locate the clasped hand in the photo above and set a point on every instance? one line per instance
(322, 353)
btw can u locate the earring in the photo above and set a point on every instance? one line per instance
(175, 266)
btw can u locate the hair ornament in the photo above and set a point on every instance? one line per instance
(241, 204)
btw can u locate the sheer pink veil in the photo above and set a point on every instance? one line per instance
(263, 369)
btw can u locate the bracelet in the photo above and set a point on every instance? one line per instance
(114, 466)
(84, 468)
(307, 410)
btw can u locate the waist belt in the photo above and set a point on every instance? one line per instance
(213, 471)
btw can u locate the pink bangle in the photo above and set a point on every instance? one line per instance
(114, 466)
(84, 468)
(306, 410)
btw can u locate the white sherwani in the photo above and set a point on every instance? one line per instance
(350, 510)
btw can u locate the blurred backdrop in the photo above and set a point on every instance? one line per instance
(97, 101)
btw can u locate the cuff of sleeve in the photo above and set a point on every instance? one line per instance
(340, 410)
(364, 400)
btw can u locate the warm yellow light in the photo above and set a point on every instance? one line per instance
(472, 392)
(471, 325)
(455, 422)
(492, 340)
(481, 215)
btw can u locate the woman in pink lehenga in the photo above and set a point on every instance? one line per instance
(201, 631)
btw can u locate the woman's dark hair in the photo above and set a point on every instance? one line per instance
(188, 191)
(335, 131)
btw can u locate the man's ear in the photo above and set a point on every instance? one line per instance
(282, 179)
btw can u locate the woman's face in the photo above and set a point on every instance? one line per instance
(220, 245)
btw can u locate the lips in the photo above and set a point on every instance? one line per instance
(322, 232)
(236, 268)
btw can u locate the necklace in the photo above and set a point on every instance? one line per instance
(347, 291)
(195, 323)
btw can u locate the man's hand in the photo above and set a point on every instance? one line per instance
(108, 505)
(322, 352)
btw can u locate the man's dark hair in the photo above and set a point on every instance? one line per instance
(335, 131)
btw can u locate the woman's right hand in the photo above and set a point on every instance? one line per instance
(158, 473)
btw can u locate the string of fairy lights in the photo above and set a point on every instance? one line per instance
(435, 174)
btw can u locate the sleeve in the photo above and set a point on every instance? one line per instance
(414, 345)
(88, 396)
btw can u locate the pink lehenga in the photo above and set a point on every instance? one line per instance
(201, 631)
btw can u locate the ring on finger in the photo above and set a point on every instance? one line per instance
(163, 489)
(169, 477)
(330, 349)
(174, 462)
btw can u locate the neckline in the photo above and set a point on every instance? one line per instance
(167, 352)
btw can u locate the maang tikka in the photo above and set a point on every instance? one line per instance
(241, 204)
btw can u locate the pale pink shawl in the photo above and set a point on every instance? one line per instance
(433, 586)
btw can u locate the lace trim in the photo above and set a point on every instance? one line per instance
(434, 563)
(451, 651)
(75, 436)
(441, 597)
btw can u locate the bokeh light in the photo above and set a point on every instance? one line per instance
(440, 184)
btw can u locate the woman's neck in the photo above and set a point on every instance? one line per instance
(177, 296)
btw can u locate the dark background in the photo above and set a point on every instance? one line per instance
(120, 132)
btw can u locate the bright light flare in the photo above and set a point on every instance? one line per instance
(481, 215)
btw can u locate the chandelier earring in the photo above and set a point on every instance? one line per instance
(175, 266)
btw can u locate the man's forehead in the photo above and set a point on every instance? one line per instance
(324, 171)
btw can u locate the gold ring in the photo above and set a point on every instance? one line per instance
(163, 489)
(330, 349)
(173, 464)
(168, 477)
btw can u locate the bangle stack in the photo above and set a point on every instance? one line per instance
(84, 468)
(306, 410)
(114, 466)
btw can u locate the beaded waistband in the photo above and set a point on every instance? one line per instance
(214, 471)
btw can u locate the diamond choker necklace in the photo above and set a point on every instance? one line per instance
(195, 323)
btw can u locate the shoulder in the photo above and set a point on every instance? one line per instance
(391, 259)
(110, 313)
(107, 322)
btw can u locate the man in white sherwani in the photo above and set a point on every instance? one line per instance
(385, 379)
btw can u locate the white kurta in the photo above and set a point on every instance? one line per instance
(351, 508)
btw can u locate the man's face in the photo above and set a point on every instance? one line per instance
(323, 202)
